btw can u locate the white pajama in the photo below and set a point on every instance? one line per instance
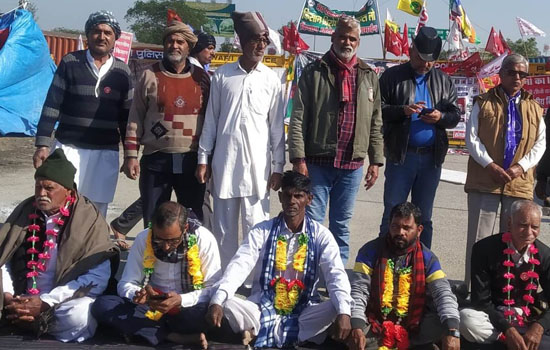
(313, 322)
(476, 327)
(225, 223)
(96, 173)
(73, 321)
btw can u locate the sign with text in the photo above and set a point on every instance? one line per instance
(442, 33)
(219, 17)
(123, 46)
(318, 19)
(539, 87)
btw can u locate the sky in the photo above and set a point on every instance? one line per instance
(482, 13)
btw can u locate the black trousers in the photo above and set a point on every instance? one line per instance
(122, 316)
(163, 172)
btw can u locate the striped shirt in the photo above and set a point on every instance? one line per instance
(86, 121)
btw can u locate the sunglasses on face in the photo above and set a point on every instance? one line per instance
(513, 73)
(261, 40)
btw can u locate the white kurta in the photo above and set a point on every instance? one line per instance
(245, 315)
(244, 130)
(73, 319)
(167, 276)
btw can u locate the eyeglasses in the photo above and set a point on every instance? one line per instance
(260, 40)
(513, 73)
(173, 242)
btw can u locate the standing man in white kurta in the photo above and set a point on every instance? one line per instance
(242, 141)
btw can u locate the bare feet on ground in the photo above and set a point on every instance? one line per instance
(248, 337)
(198, 339)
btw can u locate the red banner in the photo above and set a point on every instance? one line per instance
(539, 86)
(123, 46)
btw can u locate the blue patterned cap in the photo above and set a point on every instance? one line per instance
(102, 17)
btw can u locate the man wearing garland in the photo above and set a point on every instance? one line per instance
(507, 271)
(402, 298)
(55, 244)
(294, 250)
(167, 282)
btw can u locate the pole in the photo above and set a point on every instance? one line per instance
(314, 37)
(380, 30)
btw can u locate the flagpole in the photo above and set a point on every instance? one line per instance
(380, 30)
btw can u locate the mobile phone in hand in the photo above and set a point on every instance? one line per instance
(426, 111)
(162, 296)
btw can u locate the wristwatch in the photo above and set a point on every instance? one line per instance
(453, 333)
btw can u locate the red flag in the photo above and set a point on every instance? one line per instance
(292, 42)
(405, 41)
(172, 16)
(505, 46)
(494, 44)
(392, 41)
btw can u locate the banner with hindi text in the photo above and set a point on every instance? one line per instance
(219, 17)
(318, 19)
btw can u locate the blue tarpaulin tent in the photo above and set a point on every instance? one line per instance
(26, 71)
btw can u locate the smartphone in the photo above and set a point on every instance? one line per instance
(162, 296)
(426, 111)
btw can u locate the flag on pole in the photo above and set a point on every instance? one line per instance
(405, 41)
(466, 27)
(422, 19)
(412, 7)
(171, 15)
(389, 21)
(80, 44)
(528, 29)
(494, 43)
(455, 38)
(504, 43)
(392, 41)
(292, 42)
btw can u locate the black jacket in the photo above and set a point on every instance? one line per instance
(398, 87)
(488, 281)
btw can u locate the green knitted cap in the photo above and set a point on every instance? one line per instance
(58, 169)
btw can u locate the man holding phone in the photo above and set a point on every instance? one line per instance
(166, 285)
(416, 112)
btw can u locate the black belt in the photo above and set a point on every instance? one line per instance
(420, 150)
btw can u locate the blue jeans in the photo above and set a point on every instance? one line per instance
(341, 186)
(419, 176)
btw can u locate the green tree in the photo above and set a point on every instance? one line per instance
(149, 18)
(69, 31)
(527, 48)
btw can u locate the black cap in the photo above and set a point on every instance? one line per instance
(427, 44)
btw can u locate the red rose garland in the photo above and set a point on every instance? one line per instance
(37, 261)
(532, 285)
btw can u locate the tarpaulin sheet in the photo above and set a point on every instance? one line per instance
(26, 71)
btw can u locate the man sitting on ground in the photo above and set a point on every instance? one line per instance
(55, 244)
(284, 305)
(402, 298)
(507, 270)
(166, 284)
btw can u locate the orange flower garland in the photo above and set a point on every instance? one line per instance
(287, 293)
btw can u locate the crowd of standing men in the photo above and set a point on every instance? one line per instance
(221, 139)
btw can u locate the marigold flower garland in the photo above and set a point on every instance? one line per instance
(510, 313)
(287, 292)
(395, 336)
(193, 268)
(38, 260)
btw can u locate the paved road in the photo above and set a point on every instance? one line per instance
(449, 215)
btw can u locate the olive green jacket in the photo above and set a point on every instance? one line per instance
(313, 130)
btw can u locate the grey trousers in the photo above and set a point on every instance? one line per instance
(482, 218)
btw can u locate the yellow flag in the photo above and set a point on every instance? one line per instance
(393, 26)
(412, 7)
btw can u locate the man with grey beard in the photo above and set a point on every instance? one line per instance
(166, 117)
(336, 122)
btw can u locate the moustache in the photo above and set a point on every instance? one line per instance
(43, 198)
